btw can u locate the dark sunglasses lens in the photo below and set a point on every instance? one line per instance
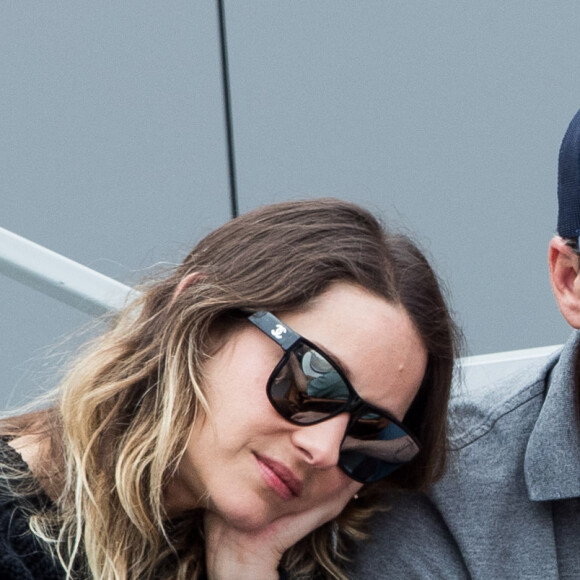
(306, 387)
(374, 447)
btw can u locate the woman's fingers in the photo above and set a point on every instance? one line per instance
(293, 528)
(233, 553)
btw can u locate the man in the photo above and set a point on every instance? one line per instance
(509, 504)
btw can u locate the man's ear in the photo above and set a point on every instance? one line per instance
(185, 282)
(565, 279)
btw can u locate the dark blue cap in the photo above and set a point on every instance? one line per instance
(569, 182)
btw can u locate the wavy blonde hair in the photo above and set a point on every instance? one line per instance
(122, 416)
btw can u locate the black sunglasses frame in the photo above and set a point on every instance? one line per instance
(290, 341)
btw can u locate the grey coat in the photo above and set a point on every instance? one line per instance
(509, 504)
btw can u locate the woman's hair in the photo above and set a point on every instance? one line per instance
(124, 412)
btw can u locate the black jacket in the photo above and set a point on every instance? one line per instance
(22, 556)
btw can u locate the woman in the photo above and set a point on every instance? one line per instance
(243, 418)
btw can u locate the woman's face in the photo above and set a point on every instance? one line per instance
(252, 466)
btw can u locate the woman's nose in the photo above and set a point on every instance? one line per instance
(320, 443)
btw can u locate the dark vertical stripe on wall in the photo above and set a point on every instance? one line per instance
(228, 108)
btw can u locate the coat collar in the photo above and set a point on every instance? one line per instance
(552, 460)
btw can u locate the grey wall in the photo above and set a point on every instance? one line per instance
(446, 117)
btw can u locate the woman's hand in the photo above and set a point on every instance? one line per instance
(236, 554)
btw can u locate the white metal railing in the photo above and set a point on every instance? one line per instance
(94, 293)
(59, 277)
(484, 369)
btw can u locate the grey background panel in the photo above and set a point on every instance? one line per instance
(112, 148)
(112, 127)
(37, 334)
(445, 116)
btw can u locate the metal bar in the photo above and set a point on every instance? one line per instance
(509, 356)
(59, 277)
(228, 109)
(478, 371)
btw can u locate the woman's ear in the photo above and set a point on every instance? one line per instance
(564, 264)
(185, 282)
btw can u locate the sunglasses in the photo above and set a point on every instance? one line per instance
(307, 387)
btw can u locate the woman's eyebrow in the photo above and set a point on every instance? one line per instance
(336, 360)
(345, 370)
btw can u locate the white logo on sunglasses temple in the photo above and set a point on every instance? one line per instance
(279, 331)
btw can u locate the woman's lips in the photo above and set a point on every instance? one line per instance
(279, 477)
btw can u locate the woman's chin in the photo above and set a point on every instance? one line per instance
(250, 522)
(249, 518)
